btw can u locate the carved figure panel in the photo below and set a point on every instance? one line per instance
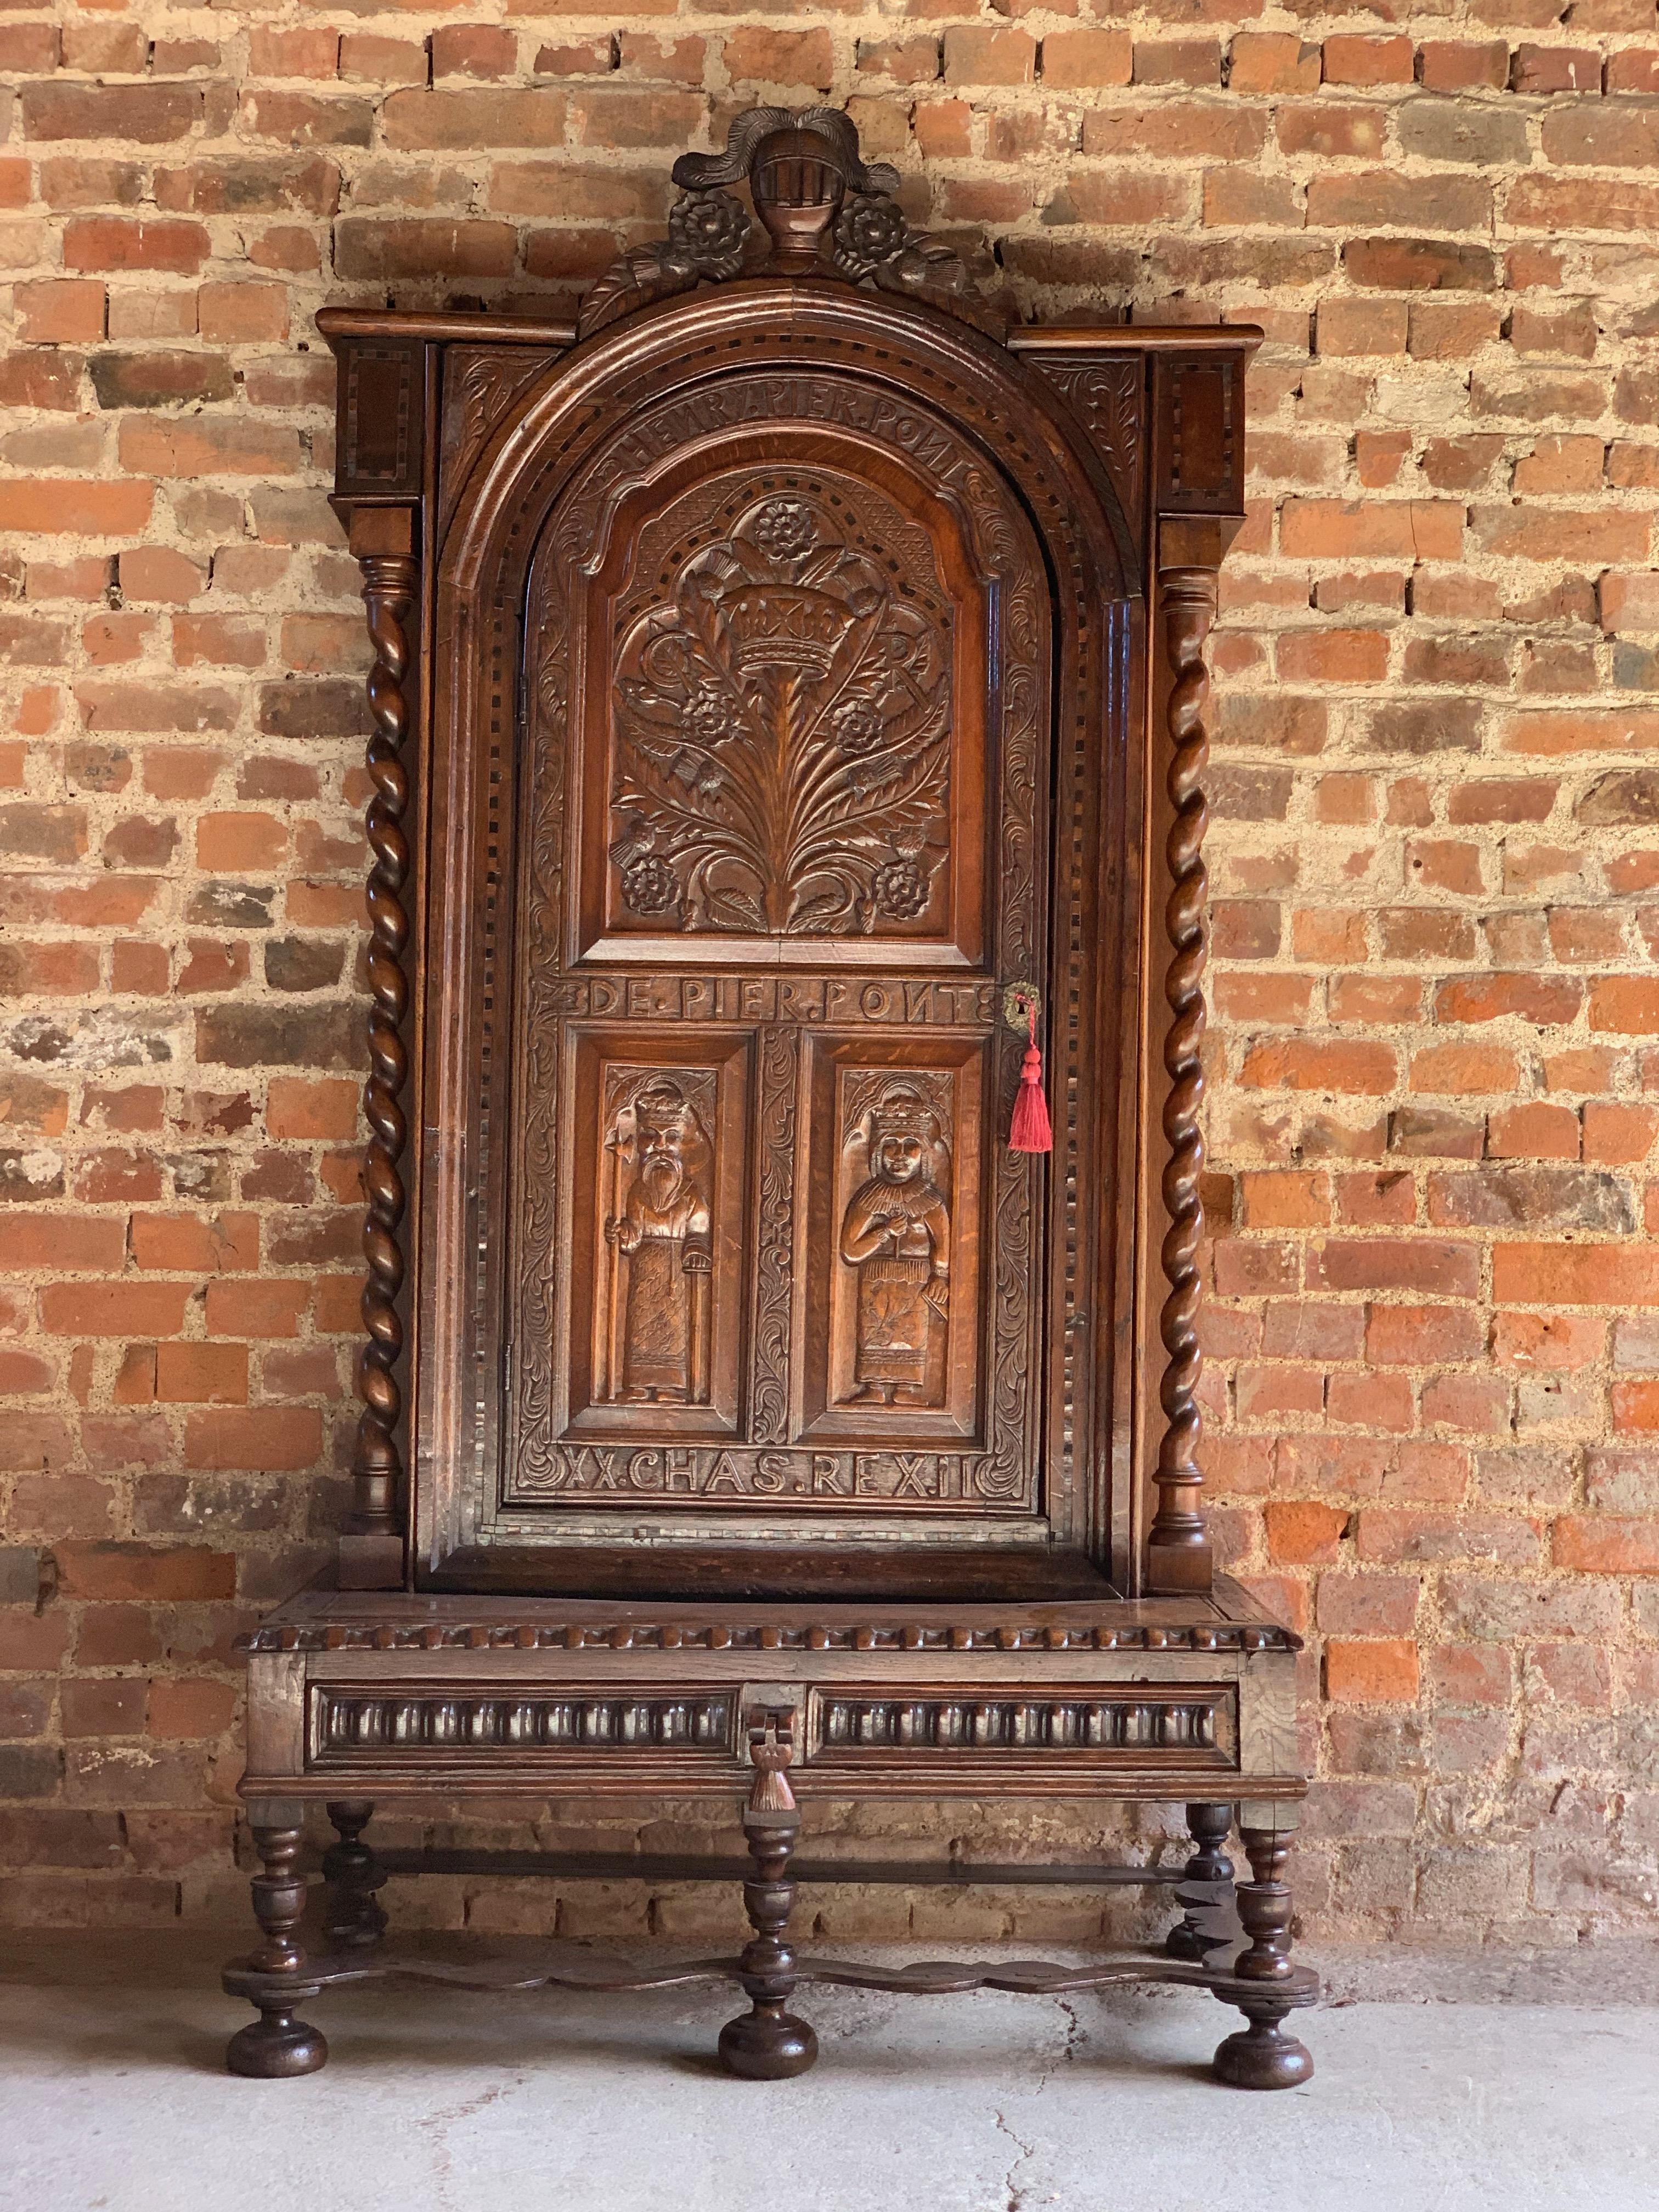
(782, 722)
(654, 1316)
(650, 1312)
(896, 1233)
(892, 1278)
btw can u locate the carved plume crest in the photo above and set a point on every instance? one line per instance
(818, 210)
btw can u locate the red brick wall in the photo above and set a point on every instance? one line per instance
(1435, 1341)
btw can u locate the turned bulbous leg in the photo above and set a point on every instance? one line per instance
(278, 2046)
(1261, 2056)
(1207, 1872)
(767, 2043)
(352, 1916)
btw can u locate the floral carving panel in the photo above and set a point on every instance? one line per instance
(782, 722)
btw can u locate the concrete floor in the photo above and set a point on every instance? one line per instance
(112, 2098)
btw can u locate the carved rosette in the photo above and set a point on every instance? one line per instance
(389, 592)
(1179, 1550)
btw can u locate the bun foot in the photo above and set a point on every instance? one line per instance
(767, 2045)
(1262, 2056)
(275, 2047)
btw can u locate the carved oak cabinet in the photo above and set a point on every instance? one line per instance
(789, 755)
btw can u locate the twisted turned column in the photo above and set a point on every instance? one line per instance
(389, 590)
(1178, 1553)
(767, 2043)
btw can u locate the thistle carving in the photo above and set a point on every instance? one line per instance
(782, 739)
(818, 210)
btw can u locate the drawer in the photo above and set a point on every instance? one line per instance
(904, 1731)
(1057, 1732)
(389, 1726)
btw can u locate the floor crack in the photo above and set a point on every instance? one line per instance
(439, 2123)
(1014, 2195)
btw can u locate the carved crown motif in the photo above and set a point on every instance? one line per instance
(822, 212)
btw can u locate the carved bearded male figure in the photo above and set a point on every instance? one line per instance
(898, 1234)
(662, 1229)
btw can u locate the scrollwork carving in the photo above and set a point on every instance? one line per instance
(481, 384)
(780, 1063)
(1109, 398)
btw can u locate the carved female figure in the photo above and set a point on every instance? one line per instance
(898, 1234)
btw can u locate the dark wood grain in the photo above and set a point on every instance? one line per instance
(384, 541)
(779, 675)
(278, 2046)
(354, 1915)
(1261, 2056)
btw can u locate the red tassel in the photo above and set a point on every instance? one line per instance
(1031, 1130)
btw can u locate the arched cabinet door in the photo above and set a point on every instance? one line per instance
(781, 727)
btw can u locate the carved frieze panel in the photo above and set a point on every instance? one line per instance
(636, 1633)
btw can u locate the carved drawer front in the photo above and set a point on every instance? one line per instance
(1052, 1730)
(355, 1728)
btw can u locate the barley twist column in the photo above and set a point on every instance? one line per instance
(390, 580)
(1178, 1554)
